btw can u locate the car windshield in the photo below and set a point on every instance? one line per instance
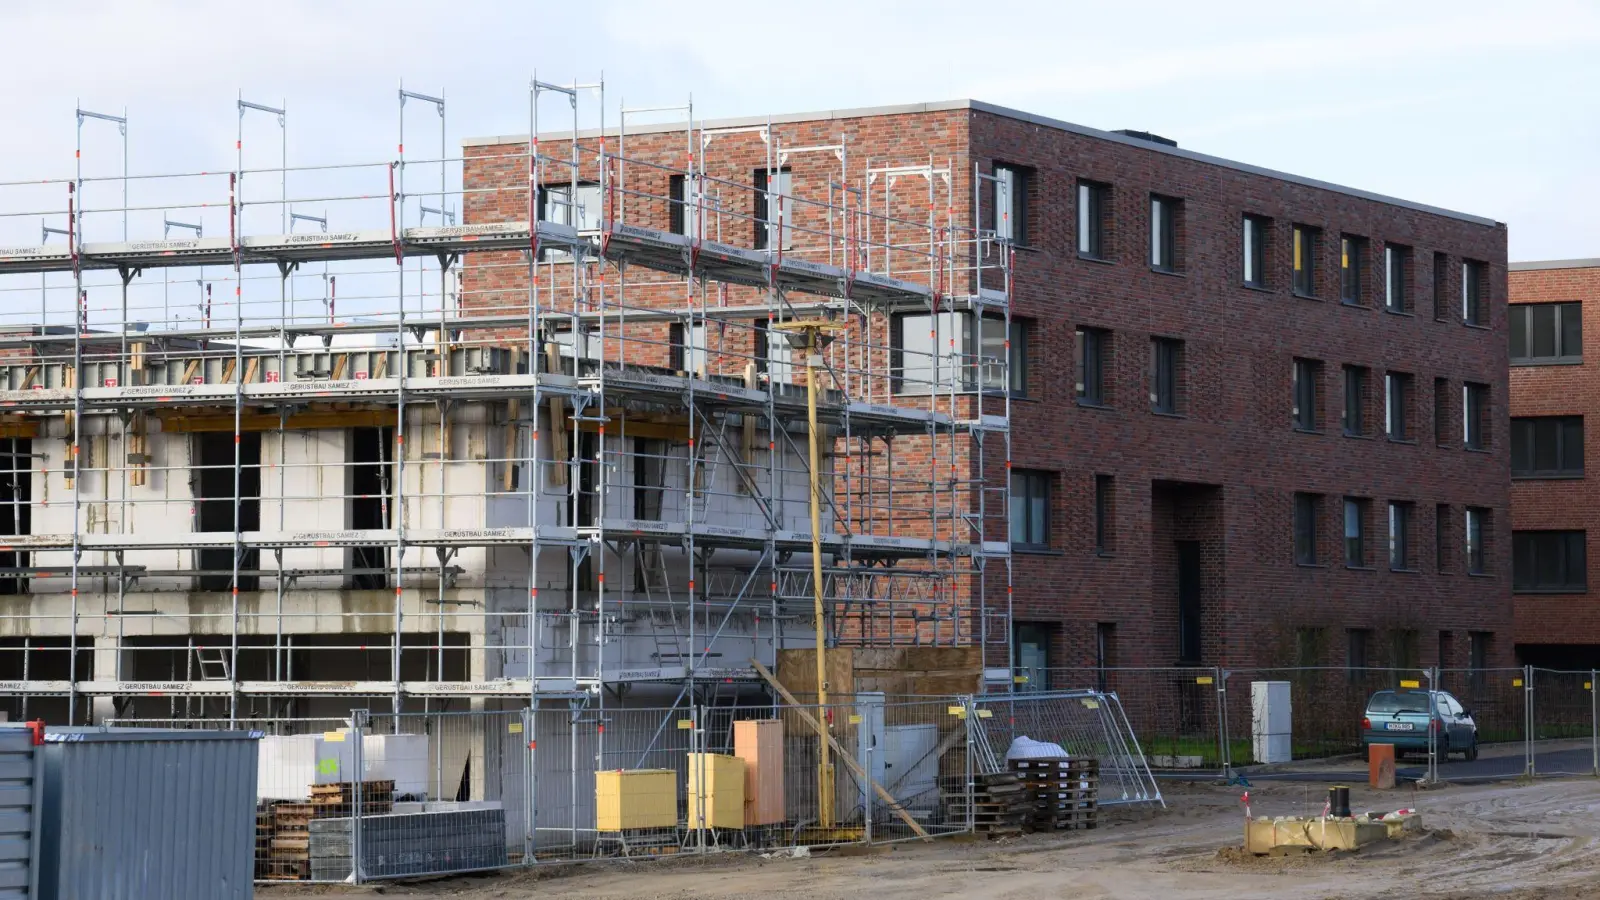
(1390, 702)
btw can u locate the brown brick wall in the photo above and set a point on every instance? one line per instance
(1559, 504)
(1234, 430)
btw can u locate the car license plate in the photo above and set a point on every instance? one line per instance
(1398, 726)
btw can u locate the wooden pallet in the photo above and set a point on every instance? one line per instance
(344, 791)
(284, 870)
(1063, 794)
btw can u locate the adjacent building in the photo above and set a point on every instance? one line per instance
(1554, 392)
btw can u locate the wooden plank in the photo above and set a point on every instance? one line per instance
(843, 756)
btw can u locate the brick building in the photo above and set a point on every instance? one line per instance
(1554, 504)
(1257, 419)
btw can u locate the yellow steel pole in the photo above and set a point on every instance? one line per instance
(825, 766)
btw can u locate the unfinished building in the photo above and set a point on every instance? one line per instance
(623, 429)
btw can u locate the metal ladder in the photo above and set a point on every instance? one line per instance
(213, 663)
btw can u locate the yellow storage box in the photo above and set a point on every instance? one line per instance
(723, 777)
(626, 799)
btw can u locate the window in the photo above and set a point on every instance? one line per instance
(1546, 333)
(1355, 400)
(683, 210)
(1032, 646)
(1166, 375)
(1105, 651)
(1441, 290)
(1254, 249)
(1307, 512)
(774, 185)
(1357, 659)
(1477, 533)
(1092, 224)
(1446, 654)
(920, 345)
(1477, 657)
(1403, 648)
(1472, 290)
(1441, 411)
(1397, 406)
(1475, 415)
(1547, 447)
(774, 356)
(1164, 250)
(1011, 203)
(1355, 531)
(1030, 509)
(1548, 562)
(1104, 513)
(560, 204)
(1308, 647)
(1442, 539)
(1094, 360)
(1305, 260)
(1307, 375)
(1396, 278)
(688, 348)
(1352, 269)
(1400, 557)
(650, 457)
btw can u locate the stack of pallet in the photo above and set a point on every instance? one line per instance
(339, 799)
(999, 803)
(283, 841)
(1061, 793)
(283, 828)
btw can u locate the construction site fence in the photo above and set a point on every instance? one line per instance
(370, 796)
(1533, 721)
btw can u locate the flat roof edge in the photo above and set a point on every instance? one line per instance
(1541, 264)
(1007, 112)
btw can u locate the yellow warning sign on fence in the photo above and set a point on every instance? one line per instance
(1019, 679)
(855, 719)
(1091, 703)
(1203, 679)
(333, 736)
(1516, 682)
(985, 713)
(685, 724)
(514, 728)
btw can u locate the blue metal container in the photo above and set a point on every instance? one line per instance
(137, 814)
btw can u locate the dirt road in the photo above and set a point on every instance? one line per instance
(1538, 841)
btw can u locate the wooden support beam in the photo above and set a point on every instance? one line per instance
(843, 756)
(175, 423)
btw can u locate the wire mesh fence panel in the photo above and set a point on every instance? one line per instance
(1084, 724)
(1324, 715)
(1563, 722)
(434, 793)
(1174, 711)
(1495, 699)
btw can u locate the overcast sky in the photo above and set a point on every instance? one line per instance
(1484, 107)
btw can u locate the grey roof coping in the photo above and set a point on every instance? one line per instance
(994, 109)
(1535, 265)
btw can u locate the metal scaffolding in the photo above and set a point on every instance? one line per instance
(601, 400)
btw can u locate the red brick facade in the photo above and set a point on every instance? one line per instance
(1223, 470)
(1555, 628)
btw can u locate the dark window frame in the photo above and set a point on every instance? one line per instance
(1105, 505)
(1093, 208)
(1167, 376)
(1355, 400)
(760, 182)
(1442, 538)
(1397, 278)
(1354, 546)
(973, 375)
(1165, 254)
(1254, 236)
(1520, 324)
(1402, 517)
(1566, 550)
(1473, 280)
(1307, 524)
(1306, 376)
(1035, 485)
(1352, 270)
(1525, 446)
(1093, 346)
(1399, 392)
(1018, 218)
(1303, 261)
(1475, 414)
(1477, 534)
(1441, 286)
